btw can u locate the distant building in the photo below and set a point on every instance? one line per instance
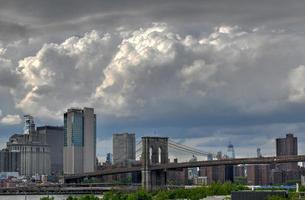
(109, 159)
(258, 174)
(29, 125)
(240, 171)
(33, 148)
(79, 141)
(285, 147)
(277, 176)
(220, 173)
(240, 174)
(231, 151)
(219, 155)
(213, 174)
(258, 153)
(124, 147)
(124, 153)
(193, 172)
(177, 177)
(9, 161)
(229, 173)
(210, 156)
(201, 180)
(55, 140)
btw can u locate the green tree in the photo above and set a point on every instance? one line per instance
(71, 198)
(276, 197)
(114, 196)
(47, 198)
(89, 197)
(161, 195)
(139, 195)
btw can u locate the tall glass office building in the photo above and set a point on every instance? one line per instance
(79, 141)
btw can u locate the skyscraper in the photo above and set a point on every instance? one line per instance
(55, 140)
(109, 159)
(259, 153)
(230, 151)
(79, 141)
(285, 147)
(124, 147)
(210, 156)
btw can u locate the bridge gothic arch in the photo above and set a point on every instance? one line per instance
(154, 151)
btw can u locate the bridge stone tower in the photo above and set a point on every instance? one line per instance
(154, 152)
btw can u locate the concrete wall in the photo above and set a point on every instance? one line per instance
(55, 140)
(73, 160)
(89, 140)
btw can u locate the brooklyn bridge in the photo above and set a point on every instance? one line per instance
(154, 156)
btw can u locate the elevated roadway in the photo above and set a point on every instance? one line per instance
(173, 166)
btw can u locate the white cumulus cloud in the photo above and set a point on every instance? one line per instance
(63, 75)
(155, 71)
(297, 84)
(11, 119)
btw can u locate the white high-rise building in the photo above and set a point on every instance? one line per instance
(79, 141)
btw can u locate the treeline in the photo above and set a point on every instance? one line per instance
(191, 194)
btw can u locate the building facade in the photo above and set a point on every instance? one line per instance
(55, 140)
(213, 173)
(29, 125)
(193, 172)
(258, 174)
(230, 151)
(124, 147)
(34, 153)
(285, 147)
(9, 161)
(109, 159)
(79, 141)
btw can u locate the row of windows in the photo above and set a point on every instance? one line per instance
(77, 129)
(26, 148)
(77, 132)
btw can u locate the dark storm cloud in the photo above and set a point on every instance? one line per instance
(76, 15)
(12, 31)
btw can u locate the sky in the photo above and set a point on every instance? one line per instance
(204, 73)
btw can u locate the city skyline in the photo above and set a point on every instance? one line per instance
(226, 151)
(203, 73)
(103, 147)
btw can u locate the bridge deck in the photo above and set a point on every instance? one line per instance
(263, 160)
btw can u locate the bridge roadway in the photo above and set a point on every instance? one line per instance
(173, 166)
